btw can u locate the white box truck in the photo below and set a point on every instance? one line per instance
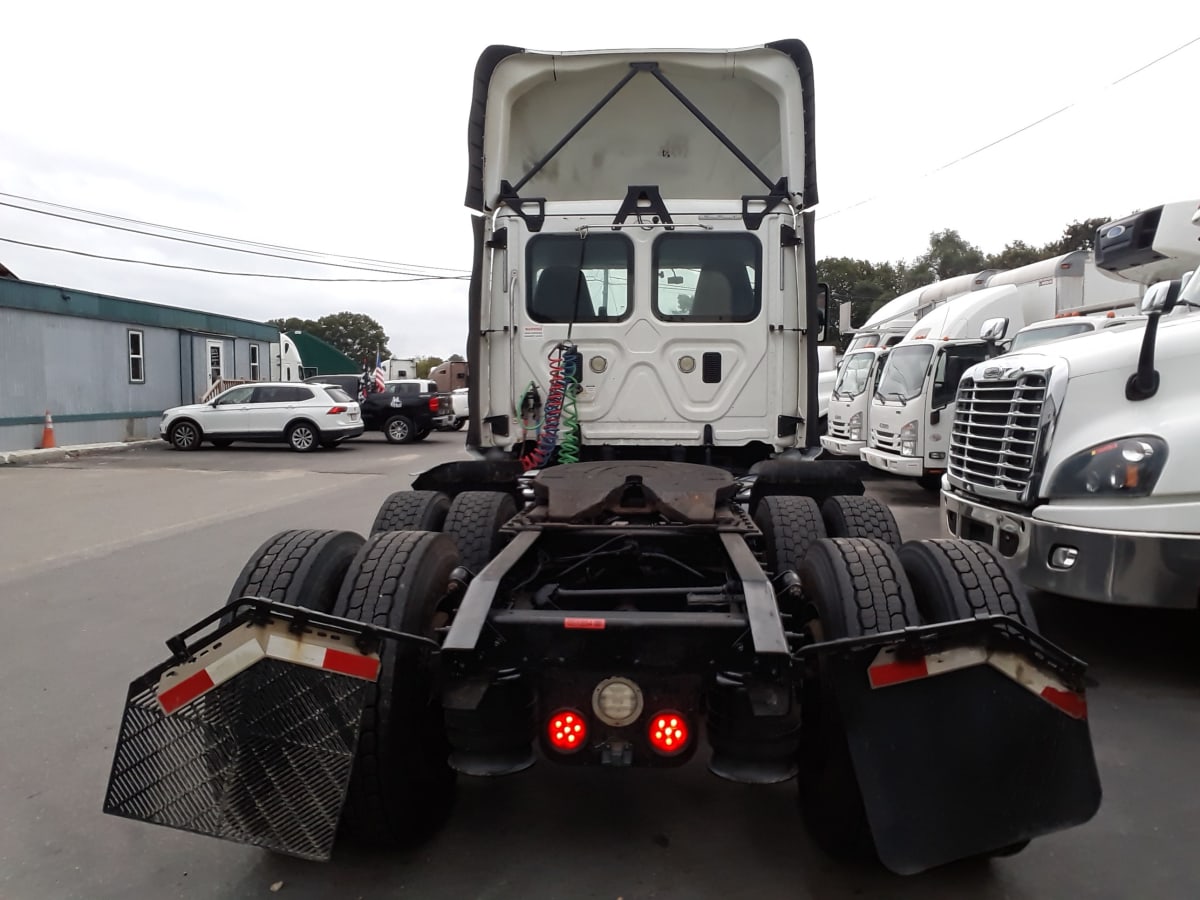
(910, 413)
(849, 402)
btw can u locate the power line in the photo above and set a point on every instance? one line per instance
(160, 265)
(198, 243)
(203, 234)
(1018, 131)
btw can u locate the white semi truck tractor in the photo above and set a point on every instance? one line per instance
(642, 563)
(1076, 460)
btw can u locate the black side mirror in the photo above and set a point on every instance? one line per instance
(1159, 300)
(822, 310)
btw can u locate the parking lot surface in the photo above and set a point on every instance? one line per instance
(104, 558)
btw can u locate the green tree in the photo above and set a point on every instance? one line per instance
(1016, 254)
(355, 334)
(426, 364)
(1076, 236)
(948, 255)
(454, 357)
(294, 324)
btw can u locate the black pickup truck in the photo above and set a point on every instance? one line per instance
(405, 410)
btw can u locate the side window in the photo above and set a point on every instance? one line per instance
(238, 395)
(707, 277)
(948, 371)
(573, 279)
(294, 394)
(137, 357)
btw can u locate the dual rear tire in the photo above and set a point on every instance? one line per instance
(857, 587)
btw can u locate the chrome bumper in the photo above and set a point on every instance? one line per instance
(912, 466)
(1122, 567)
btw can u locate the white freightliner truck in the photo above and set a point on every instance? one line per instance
(643, 562)
(911, 411)
(1075, 460)
(849, 404)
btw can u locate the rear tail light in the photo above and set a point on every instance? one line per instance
(433, 404)
(567, 730)
(337, 410)
(669, 733)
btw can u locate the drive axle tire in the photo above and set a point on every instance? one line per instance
(790, 525)
(474, 522)
(860, 517)
(303, 568)
(955, 579)
(857, 587)
(412, 511)
(401, 785)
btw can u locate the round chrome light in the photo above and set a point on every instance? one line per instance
(598, 364)
(687, 364)
(617, 702)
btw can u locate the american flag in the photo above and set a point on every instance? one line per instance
(380, 375)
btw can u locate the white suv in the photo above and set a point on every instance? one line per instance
(304, 416)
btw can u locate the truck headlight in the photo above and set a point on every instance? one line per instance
(855, 427)
(908, 439)
(1128, 466)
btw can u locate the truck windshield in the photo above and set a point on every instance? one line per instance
(852, 380)
(1027, 339)
(904, 373)
(863, 342)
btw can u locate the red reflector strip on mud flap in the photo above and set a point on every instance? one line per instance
(889, 669)
(586, 624)
(237, 651)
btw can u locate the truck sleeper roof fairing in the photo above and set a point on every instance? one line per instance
(583, 115)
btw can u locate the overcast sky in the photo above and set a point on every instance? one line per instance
(342, 128)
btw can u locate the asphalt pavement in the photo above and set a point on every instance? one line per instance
(103, 558)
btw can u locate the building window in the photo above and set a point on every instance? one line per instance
(137, 357)
(254, 374)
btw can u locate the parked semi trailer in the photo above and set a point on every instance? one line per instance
(644, 563)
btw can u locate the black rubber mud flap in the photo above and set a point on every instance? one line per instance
(965, 762)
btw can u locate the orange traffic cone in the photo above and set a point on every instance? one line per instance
(48, 433)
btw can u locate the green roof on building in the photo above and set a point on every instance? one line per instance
(61, 301)
(322, 357)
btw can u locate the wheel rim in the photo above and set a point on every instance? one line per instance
(398, 430)
(302, 438)
(185, 436)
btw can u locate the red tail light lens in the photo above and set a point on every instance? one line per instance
(336, 410)
(567, 731)
(433, 404)
(669, 733)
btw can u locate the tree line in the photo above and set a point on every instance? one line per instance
(868, 285)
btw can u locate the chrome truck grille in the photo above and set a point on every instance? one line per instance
(994, 441)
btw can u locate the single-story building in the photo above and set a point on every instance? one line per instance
(106, 367)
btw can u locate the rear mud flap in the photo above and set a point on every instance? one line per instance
(966, 739)
(249, 734)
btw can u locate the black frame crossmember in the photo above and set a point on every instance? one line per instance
(777, 190)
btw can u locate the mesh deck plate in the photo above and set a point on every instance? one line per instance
(262, 759)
